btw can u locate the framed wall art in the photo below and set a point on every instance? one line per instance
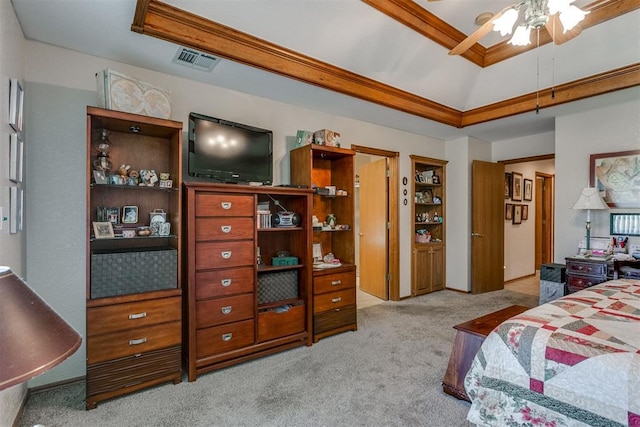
(528, 190)
(508, 211)
(16, 100)
(15, 157)
(507, 185)
(617, 177)
(525, 212)
(516, 187)
(517, 214)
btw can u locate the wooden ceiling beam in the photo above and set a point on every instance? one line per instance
(166, 22)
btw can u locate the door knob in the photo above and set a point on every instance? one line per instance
(477, 235)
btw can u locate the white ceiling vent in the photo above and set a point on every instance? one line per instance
(194, 59)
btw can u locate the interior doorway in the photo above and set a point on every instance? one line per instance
(544, 218)
(386, 255)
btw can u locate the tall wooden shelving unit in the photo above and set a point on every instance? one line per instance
(133, 283)
(429, 202)
(334, 289)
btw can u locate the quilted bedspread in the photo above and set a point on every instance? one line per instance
(574, 361)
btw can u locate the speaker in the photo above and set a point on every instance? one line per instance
(285, 219)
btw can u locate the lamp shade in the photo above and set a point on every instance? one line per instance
(34, 337)
(590, 199)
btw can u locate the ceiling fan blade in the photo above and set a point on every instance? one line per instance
(473, 38)
(556, 30)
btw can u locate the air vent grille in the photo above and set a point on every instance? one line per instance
(194, 59)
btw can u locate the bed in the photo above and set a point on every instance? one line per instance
(574, 361)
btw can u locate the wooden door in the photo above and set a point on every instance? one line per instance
(373, 236)
(487, 227)
(544, 219)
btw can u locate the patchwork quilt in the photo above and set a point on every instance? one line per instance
(574, 361)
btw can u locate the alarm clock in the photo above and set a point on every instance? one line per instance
(285, 219)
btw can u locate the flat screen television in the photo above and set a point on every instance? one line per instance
(229, 152)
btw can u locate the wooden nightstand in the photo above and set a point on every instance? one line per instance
(585, 272)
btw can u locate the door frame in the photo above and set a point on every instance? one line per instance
(548, 195)
(393, 257)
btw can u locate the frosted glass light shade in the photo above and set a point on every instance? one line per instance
(505, 23)
(522, 36)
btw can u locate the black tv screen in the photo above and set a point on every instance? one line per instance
(229, 152)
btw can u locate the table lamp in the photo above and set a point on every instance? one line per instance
(589, 199)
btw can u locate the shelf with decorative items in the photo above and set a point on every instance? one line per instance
(428, 214)
(330, 172)
(133, 293)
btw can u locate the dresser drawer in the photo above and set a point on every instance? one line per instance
(576, 283)
(224, 310)
(119, 317)
(224, 254)
(105, 347)
(211, 204)
(334, 319)
(272, 325)
(224, 228)
(131, 371)
(221, 339)
(334, 282)
(219, 283)
(333, 300)
(586, 268)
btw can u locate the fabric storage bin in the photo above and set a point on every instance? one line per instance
(553, 272)
(550, 291)
(133, 271)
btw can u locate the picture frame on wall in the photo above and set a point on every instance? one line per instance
(528, 190)
(516, 187)
(16, 100)
(507, 185)
(525, 212)
(508, 211)
(517, 214)
(615, 175)
(15, 157)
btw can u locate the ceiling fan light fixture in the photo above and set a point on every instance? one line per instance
(522, 36)
(571, 17)
(505, 23)
(556, 6)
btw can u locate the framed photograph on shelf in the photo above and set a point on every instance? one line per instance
(507, 185)
(517, 214)
(129, 214)
(16, 100)
(103, 230)
(516, 187)
(15, 157)
(508, 211)
(528, 190)
(615, 175)
(525, 212)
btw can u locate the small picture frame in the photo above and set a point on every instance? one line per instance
(16, 157)
(507, 185)
(129, 214)
(164, 229)
(165, 183)
(516, 188)
(103, 230)
(508, 211)
(100, 177)
(528, 190)
(525, 212)
(16, 100)
(517, 214)
(436, 179)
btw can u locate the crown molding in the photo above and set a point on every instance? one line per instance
(166, 22)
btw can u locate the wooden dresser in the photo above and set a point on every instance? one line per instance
(585, 272)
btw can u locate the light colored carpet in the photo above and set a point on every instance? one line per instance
(388, 373)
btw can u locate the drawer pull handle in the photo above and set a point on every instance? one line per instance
(227, 337)
(336, 299)
(138, 341)
(225, 228)
(225, 282)
(226, 205)
(226, 254)
(226, 310)
(336, 282)
(137, 315)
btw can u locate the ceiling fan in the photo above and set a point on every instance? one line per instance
(559, 17)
